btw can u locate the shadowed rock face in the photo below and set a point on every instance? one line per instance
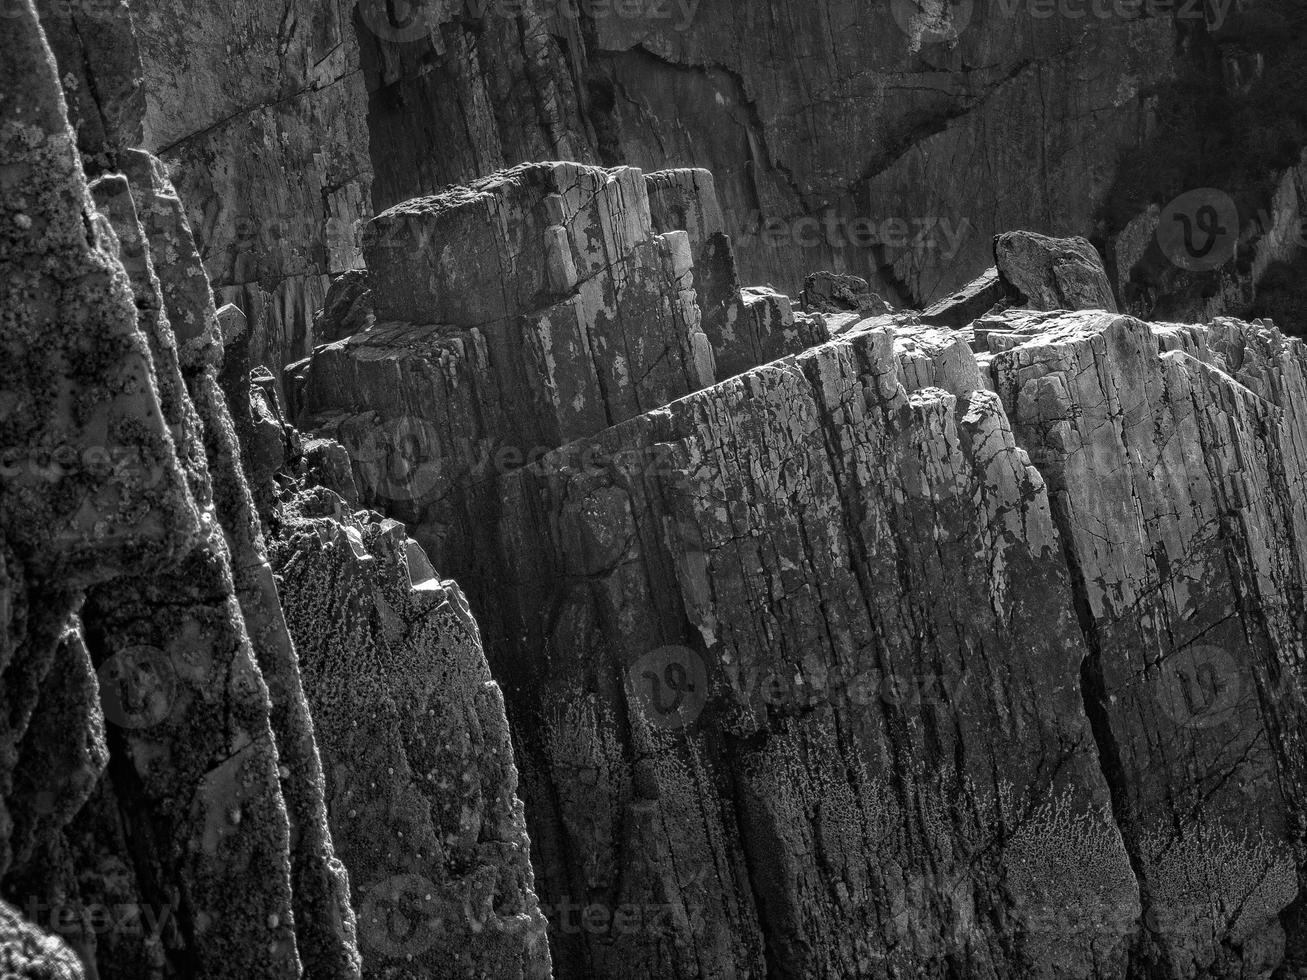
(420, 776)
(162, 802)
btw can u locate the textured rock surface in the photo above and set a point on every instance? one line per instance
(833, 113)
(921, 649)
(536, 307)
(1053, 273)
(802, 111)
(26, 954)
(189, 744)
(421, 779)
(1175, 458)
(260, 110)
(834, 809)
(162, 800)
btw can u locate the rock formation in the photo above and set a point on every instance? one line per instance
(922, 646)
(420, 776)
(577, 608)
(162, 802)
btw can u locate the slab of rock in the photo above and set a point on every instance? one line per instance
(325, 936)
(767, 328)
(91, 474)
(1175, 457)
(686, 200)
(420, 772)
(830, 292)
(347, 309)
(1053, 273)
(611, 323)
(973, 300)
(749, 696)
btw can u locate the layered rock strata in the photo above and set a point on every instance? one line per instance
(524, 312)
(964, 650)
(161, 796)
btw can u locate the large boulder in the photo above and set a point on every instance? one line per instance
(1053, 273)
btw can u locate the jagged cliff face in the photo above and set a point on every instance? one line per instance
(969, 650)
(163, 805)
(790, 639)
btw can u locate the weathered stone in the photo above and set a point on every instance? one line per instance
(421, 780)
(912, 714)
(100, 68)
(767, 329)
(27, 954)
(610, 320)
(1053, 273)
(325, 935)
(237, 99)
(92, 485)
(347, 309)
(976, 298)
(829, 292)
(1177, 492)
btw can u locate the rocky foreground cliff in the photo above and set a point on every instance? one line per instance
(583, 611)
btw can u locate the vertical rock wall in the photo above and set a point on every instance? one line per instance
(162, 800)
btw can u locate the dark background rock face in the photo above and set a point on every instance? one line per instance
(841, 135)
